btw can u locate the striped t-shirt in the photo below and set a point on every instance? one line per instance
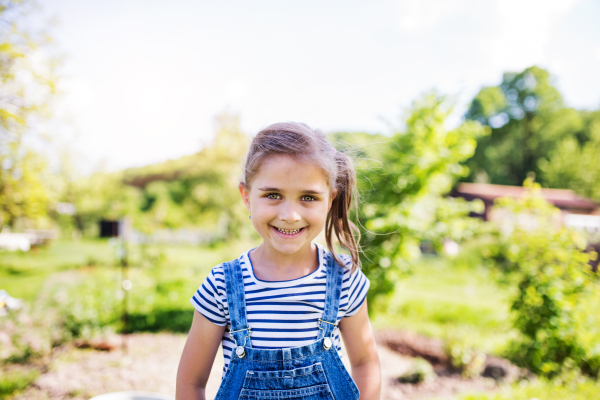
(282, 313)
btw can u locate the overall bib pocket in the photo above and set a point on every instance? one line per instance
(306, 383)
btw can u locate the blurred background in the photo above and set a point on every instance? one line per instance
(475, 130)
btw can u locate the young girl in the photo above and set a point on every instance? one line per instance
(278, 309)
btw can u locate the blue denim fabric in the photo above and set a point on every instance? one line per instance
(303, 373)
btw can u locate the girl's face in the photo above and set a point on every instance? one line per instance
(288, 201)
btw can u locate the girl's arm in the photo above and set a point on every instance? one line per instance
(197, 358)
(362, 352)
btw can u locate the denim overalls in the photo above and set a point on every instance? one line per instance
(310, 372)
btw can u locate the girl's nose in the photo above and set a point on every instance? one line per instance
(289, 213)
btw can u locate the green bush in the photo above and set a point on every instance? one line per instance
(404, 200)
(87, 305)
(551, 309)
(420, 371)
(464, 358)
(158, 299)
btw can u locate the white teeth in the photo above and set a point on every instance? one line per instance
(288, 232)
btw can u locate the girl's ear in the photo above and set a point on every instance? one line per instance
(245, 192)
(331, 198)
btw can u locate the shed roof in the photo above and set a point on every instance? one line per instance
(561, 198)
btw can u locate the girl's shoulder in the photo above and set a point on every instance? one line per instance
(216, 276)
(355, 286)
(346, 265)
(219, 269)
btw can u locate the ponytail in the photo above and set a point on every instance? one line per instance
(338, 219)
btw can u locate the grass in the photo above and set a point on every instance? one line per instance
(24, 274)
(448, 300)
(445, 299)
(543, 390)
(16, 381)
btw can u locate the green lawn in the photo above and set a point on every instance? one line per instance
(445, 299)
(24, 274)
(442, 298)
(455, 300)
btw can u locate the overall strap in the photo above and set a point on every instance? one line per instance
(236, 302)
(333, 292)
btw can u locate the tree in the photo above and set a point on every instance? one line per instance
(213, 179)
(528, 120)
(101, 196)
(573, 164)
(403, 197)
(197, 190)
(27, 86)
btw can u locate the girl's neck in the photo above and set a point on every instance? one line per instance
(271, 265)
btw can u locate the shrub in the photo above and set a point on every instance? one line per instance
(420, 371)
(463, 358)
(404, 199)
(547, 265)
(89, 304)
(157, 301)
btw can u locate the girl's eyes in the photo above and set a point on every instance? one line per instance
(276, 196)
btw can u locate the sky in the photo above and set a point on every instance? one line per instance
(143, 80)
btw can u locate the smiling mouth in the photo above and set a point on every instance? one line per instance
(287, 231)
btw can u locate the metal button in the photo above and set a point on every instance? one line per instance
(327, 343)
(240, 352)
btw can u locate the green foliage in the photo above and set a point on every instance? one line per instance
(573, 164)
(16, 381)
(85, 306)
(27, 85)
(28, 335)
(198, 190)
(89, 302)
(99, 196)
(464, 358)
(23, 274)
(528, 120)
(548, 267)
(420, 371)
(543, 389)
(449, 299)
(403, 199)
(194, 191)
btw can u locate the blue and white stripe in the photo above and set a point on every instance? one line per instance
(281, 314)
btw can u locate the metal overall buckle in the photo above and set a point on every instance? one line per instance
(328, 341)
(239, 350)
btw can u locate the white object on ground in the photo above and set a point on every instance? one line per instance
(15, 241)
(7, 302)
(131, 396)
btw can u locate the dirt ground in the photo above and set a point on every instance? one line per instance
(150, 361)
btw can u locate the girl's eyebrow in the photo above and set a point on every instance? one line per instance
(271, 189)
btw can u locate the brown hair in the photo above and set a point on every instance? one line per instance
(310, 145)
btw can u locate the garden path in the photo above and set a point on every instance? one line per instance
(150, 364)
